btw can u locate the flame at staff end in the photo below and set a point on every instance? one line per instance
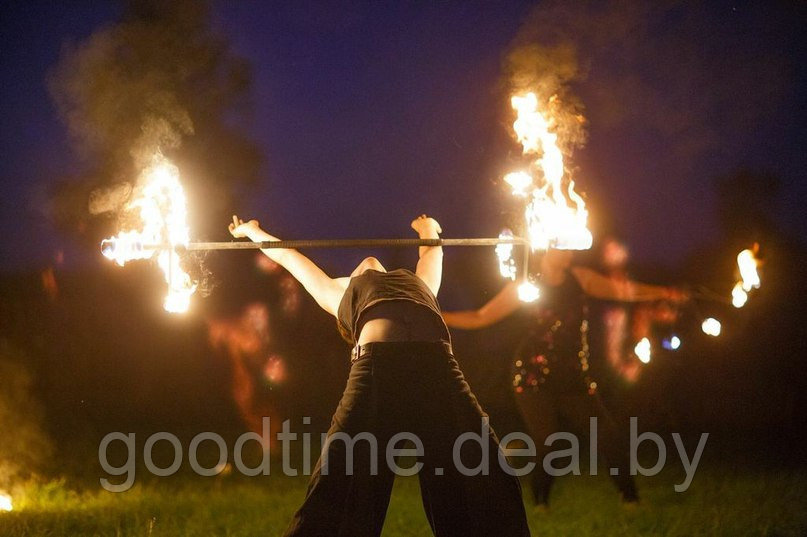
(161, 206)
(556, 217)
(6, 503)
(747, 264)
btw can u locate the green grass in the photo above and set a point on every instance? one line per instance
(721, 501)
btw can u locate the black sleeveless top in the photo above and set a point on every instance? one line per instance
(555, 353)
(372, 287)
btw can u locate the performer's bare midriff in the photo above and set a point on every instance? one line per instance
(400, 320)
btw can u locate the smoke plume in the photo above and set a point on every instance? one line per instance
(159, 80)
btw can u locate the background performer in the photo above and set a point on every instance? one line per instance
(551, 377)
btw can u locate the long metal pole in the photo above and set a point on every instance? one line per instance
(340, 243)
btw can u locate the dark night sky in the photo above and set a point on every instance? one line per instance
(370, 113)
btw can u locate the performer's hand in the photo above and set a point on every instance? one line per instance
(240, 229)
(426, 227)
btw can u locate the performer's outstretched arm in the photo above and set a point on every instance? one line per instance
(430, 264)
(326, 291)
(599, 286)
(500, 306)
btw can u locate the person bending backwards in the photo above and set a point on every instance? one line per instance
(403, 378)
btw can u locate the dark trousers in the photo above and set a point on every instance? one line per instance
(416, 388)
(545, 412)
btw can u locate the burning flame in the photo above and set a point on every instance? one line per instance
(738, 295)
(5, 502)
(556, 216)
(507, 265)
(711, 327)
(527, 292)
(747, 263)
(160, 202)
(642, 350)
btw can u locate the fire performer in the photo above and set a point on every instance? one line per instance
(551, 377)
(403, 377)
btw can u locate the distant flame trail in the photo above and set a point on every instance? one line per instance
(160, 203)
(747, 264)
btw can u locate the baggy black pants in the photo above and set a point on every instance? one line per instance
(546, 411)
(417, 388)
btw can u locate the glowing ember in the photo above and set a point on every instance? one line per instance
(556, 216)
(711, 327)
(527, 292)
(5, 502)
(160, 203)
(507, 265)
(642, 350)
(738, 295)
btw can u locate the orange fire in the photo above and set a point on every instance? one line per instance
(556, 216)
(160, 203)
(747, 264)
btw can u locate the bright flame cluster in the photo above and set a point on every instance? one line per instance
(507, 265)
(642, 350)
(747, 263)
(711, 327)
(556, 216)
(160, 203)
(5, 502)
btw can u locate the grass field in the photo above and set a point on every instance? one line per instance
(721, 501)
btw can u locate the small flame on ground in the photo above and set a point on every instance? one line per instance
(711, 327)
(161, 206)
(556, 217)
(642, 350)
(6, 504)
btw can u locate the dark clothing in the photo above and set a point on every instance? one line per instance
(554, 389)
(414, 387)
(545, 412)
(556, 347)
(372, 287)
